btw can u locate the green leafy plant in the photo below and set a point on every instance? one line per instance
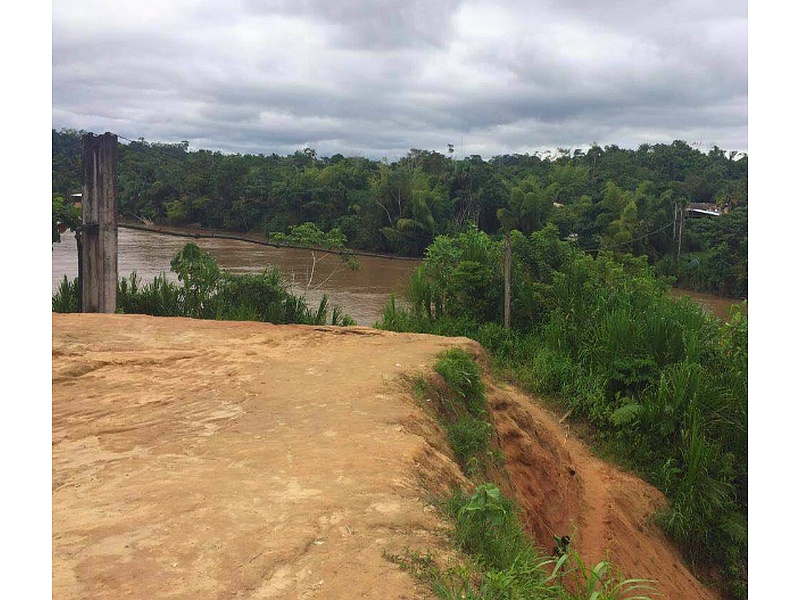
(600, 582)
(199, 273)
(500, 561)
(320, 244)
(463, 376)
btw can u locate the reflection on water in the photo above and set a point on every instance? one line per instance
(362, 294)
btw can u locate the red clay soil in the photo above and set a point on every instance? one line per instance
(201, 459)
(565, 490)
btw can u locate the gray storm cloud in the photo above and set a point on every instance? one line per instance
(378, 78)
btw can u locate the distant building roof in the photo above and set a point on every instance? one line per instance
(704, 208)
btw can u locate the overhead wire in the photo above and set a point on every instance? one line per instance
(646, 235)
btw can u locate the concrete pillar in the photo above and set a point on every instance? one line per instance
(98, 260)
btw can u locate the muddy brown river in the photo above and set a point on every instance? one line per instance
(362, 294)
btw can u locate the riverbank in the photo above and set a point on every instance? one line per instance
(218, 459)
(360, 293)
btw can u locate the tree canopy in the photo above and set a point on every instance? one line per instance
(603, 198)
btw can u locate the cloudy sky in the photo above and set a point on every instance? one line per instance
(378, 78)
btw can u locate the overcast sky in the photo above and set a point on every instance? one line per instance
(379, 78)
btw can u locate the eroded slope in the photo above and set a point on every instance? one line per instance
(197, 459)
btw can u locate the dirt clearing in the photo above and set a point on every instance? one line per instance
(201, 459)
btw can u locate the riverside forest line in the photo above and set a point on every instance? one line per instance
(401, 207)
(362, 294)
(255, 238)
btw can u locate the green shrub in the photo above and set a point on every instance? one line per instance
(261, 296)
(463, 376)
(663, 384)
(65, 300)
(199, 274)
(469, 438)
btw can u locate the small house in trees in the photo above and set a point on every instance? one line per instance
(706, 209)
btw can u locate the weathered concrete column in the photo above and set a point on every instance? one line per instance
(98, 279)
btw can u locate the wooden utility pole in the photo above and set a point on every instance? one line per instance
(677, 226)
(507, 286)
(97, 264)
(675, 223)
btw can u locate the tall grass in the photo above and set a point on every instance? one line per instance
(501, 560)
(160, 297)
(663, 385)
(65, 300)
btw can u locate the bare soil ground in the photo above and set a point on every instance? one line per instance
(199, 459)
(565, 490)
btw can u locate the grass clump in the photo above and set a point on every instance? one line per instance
(499, 559)
(502, 563)
(460, 406)
(463, 376)
(469, 438)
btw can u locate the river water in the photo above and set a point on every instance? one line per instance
(718, 306)
(362, 294)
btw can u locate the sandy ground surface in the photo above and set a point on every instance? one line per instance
(198, 459)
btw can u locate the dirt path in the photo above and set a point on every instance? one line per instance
(198, 459)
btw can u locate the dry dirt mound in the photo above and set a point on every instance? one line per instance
(197, 459)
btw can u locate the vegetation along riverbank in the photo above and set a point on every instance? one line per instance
(661, 385)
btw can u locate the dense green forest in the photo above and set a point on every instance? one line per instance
(604, 198)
